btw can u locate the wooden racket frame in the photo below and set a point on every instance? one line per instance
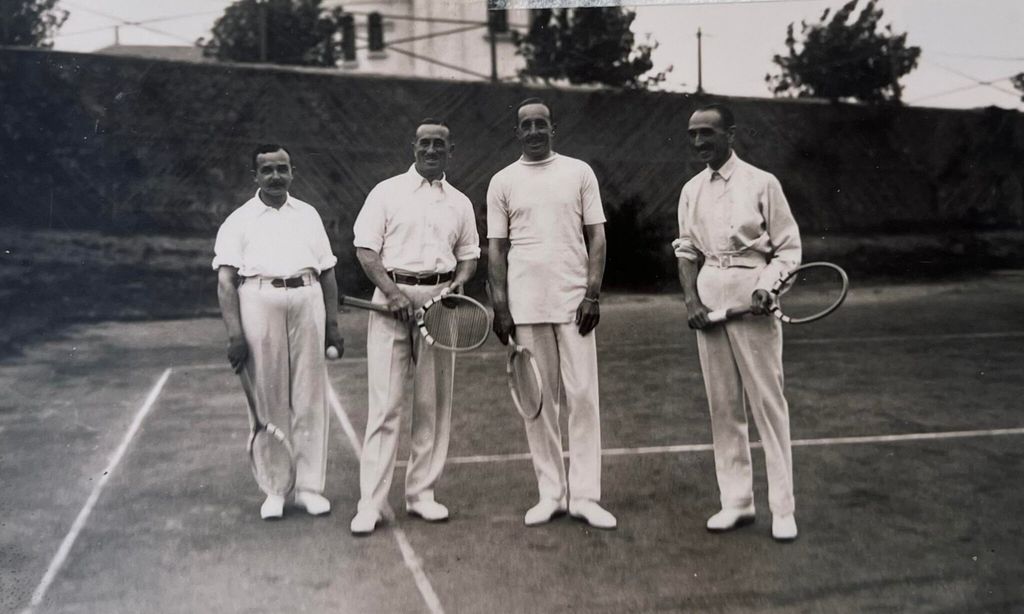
(419, 316)
(274, 431)
(517, 349)
(721, 315)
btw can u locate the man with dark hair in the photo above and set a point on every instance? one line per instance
(737, 236)
(279, 300)
(542, 213)
(415, 238)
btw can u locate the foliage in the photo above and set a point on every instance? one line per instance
(31, 23)
(845, 58)
(297, 32)
(592, 45)
(1018, 82)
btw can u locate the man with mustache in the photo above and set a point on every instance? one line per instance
(737, 236)
(415, 238)
(546, 287)
(279, 300)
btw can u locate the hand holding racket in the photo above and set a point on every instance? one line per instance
(813, 291)
(524, 381)
(453, 322)
(270, 454)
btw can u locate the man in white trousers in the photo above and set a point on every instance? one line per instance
(279, 300)
(546, 288)
(737, 236)
(415, 238)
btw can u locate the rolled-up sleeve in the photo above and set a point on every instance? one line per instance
(468, 245)
(370, 223)
(684, 247)
(227, 250)
(784, 235)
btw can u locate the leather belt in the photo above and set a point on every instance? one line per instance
(283, 282)
(421, 280)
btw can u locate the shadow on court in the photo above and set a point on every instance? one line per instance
(886, 526)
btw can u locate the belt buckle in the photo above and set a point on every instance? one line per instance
(278, 282)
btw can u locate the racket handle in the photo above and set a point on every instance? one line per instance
(721, 315)
(361, 304)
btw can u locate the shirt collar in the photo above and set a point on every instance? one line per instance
(725, 171)
(287, 203)
(419, 180)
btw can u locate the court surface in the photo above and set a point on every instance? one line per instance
(125, 485)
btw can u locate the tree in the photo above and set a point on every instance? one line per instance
(844, 58)
(297, 32)
(592, 45)
(1018, 82)
(31, 23)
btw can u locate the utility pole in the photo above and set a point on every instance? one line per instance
(700, 68)
(261, 6)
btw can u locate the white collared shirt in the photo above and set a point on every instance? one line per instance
(417, 225)
(261, 240)
(738, 210)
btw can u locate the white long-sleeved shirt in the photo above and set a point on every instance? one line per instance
(738, 213)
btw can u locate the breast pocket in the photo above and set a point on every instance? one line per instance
(746, 222)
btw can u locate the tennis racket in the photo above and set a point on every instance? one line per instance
(453, 322)
(524, 381)
(270, 454)
(812, 291)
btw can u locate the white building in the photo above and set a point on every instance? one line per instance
(439, 39)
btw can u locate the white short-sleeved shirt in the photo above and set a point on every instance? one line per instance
(417, 225)
(541, 208)
(261, 240)
(738, 210)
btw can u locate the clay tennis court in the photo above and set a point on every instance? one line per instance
(126, 487)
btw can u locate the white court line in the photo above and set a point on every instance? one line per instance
(412, 561)
(83, 515)
(679, 346)
(705, 447)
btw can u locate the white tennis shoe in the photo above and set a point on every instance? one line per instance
(731, 518)
(314, 503)
(364, 522)
(591, 512)
(784, 528)
(427, 509)
(543, 512)
(272, 508)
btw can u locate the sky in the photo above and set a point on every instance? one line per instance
(969, 48)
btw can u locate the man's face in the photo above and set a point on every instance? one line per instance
(535, 131)
(274, 173)
(710, 138)
(432, 148)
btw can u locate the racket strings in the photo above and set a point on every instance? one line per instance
(272, 463)
(456, 324)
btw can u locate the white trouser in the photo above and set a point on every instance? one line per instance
(284, 328)
(394, 351)
(742, 364)
(568, 365)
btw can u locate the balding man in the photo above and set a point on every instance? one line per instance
(737, 236)
(546, 287)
